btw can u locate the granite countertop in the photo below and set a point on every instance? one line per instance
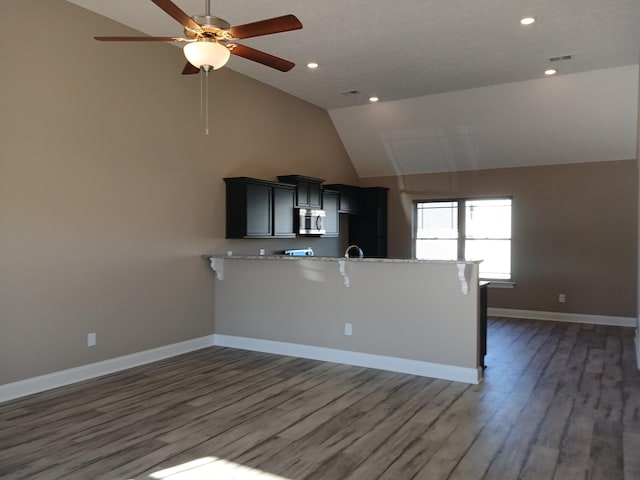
(334, 259)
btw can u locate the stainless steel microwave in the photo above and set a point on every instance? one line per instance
(311, 221)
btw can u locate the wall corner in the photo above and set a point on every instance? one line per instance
(638, 202)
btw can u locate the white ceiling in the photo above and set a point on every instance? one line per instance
(581, 117)
(409, 48)
(461, 82)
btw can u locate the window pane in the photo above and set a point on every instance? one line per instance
(495, 256)
(436, 249)
(437, 220)
(488, 218)
(484, 233)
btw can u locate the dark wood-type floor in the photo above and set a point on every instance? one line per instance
(559, 401)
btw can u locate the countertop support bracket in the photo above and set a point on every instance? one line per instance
(217, 265)
(464, 272)
(342, 263)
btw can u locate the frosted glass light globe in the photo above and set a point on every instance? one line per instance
(203, 54)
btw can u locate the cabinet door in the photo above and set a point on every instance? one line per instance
(368, 229)
(308, 190)
(349, 201)
(314, 195)
(259, 210)
(283, 201)
(332, 220)
(302, 195)
(349, 197)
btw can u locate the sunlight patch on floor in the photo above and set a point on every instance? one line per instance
(212, 467)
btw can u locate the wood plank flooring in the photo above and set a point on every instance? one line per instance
(559, 401)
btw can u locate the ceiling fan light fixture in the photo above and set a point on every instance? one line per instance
(206, 54)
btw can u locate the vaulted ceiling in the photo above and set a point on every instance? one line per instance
(461, 83)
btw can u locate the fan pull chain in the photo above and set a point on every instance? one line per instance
(206, 103)
(201, 95)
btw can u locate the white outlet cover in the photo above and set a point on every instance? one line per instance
(91, 340)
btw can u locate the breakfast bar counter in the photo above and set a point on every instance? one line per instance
(413, 316)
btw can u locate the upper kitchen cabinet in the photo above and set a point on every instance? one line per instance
(259, 209)
(349, 197)
(283, 213)
(330, 200)
(308, 190)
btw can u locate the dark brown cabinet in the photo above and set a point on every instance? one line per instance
(368, 229)
(308, 190)
(258, 208)
(263, 209)
(330, 201)
(349, 197)
(283, 211)
(484, 287)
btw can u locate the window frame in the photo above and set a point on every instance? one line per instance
(461, 226)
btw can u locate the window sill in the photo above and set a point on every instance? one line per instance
(499, 283)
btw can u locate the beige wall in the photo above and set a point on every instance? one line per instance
(407, 310)
(638, 202)
(574, 231)
(110, 191)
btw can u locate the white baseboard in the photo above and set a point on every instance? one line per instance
(29, 386)
(33, 385)
(381, 362)
(563, 317)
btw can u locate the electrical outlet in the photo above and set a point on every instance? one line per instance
(562, 298)
(348, 329)
(91, 340)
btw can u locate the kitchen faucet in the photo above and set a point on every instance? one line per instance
(360, 252)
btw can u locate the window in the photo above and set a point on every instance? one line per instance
(470, 229)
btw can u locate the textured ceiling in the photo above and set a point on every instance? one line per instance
(461, 82)
(411, 48)
(576, 118)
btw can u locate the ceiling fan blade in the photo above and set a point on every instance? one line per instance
(263, 58)
(174, 11)
(265, 27)
(138, 39)
(190, 69)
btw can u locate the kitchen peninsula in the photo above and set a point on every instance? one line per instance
(412, 316)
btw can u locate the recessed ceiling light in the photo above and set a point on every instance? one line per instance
(312, 65)
(527, 20)
(551, 71)
(373, 99)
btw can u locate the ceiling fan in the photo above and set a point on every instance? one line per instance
(210, 40)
